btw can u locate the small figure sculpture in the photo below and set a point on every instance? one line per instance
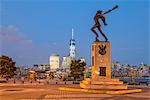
(99, 14)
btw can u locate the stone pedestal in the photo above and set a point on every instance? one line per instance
(102, 84)
(101, 60)
(101, 70)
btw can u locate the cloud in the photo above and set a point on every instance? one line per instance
(11, 36)
(15, 44)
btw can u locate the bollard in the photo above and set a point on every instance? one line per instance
(39, 81)
(14, 81)
(47, 82)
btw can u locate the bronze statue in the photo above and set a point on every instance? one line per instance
(99, 14)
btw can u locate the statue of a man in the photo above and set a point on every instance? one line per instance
(100, 15)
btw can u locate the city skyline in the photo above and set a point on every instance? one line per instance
(31, 31)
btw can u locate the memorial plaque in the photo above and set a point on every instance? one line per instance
(102, 71)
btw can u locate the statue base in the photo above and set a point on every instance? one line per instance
(105, 84)
(100, 91)
(101, 81)
(101, 70)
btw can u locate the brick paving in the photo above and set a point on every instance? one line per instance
(51, 92)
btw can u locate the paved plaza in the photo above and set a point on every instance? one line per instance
(28, 91)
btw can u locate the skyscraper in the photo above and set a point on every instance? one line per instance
(67, 59)
(72, 46)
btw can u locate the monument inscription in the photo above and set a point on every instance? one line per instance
(102, 71)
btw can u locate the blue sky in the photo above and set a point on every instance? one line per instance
(31, 30)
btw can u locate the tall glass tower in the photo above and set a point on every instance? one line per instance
(72, 46)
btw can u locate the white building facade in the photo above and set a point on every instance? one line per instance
(66, 62)
(54, 62)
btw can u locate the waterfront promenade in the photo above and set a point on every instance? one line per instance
(43, 91)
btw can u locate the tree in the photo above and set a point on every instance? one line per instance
(77, 68)
(7, 66)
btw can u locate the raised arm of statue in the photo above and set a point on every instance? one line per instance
(111, 10)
